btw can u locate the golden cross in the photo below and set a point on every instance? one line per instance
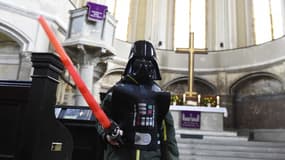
(191, 51)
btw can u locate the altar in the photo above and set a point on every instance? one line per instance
(198, 117)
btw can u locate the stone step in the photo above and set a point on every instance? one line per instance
(228, 142)
(226, 138)
(215, 135)
(217, 138)
(205, 133)
(228, 149)
(225, 145)
(233, 154)
(252, 149)
(199, 157)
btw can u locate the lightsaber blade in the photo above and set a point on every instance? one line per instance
(94, 106)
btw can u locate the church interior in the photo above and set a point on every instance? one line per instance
(225, 56)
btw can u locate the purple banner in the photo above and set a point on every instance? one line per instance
(96, 11)
(190, 119)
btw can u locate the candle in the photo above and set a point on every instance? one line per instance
(199, 99)
(184, 98)
(218, 101)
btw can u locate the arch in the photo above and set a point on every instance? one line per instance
(24, 43)
(201, 86)
(110, 78)
(114, 71)
(258, 101)
(236, 85)
(23, 40)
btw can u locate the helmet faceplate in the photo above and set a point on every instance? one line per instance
(142, 63)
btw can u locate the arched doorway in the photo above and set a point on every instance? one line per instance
(258, 102)
(15, 61)
(9, 58)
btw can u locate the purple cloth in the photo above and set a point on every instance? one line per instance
(190, 119)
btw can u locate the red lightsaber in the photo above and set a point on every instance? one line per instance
(94, 106)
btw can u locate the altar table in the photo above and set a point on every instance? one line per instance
(198, 117)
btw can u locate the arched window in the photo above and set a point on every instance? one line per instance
(268, 21)
(190, 16)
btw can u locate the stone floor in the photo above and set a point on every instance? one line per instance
(200, 145)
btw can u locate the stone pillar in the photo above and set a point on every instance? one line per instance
(25, 69)
(221, 24)
(86, 72)
(225, 98)
(141, 22)
(220, 20)
(245, 23)
(156, 22)
(211, 27)
(283, 14)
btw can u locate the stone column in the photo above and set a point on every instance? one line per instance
(25, 66)
(225, 98)
(141, 20)
(221, 24)
(156, 22)
(86, 72)
(245, 23)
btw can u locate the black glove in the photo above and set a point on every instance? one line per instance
(113, 134)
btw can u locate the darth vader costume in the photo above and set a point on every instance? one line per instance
(141, 110)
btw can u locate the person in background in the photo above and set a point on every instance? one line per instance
(139, 111)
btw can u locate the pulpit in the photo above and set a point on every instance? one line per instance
(90, 43)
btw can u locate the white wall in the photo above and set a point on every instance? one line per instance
(20, 17)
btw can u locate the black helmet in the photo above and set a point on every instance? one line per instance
(142, 63)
